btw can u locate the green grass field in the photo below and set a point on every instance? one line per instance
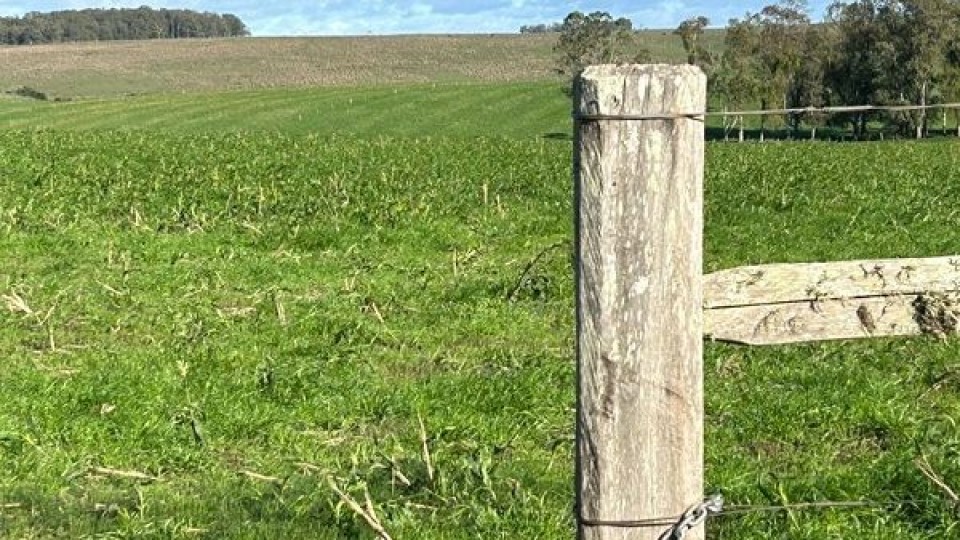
(458, 110)
(510, 109)
(213, 305)
(201, 307)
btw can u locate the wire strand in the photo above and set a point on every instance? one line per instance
(734, 510)
(700, 116)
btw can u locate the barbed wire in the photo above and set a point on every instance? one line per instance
(700, 116)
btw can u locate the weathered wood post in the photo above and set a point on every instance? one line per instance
(638, 171)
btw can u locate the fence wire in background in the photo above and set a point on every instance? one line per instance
(699, 115)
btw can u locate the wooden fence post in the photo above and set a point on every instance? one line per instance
(639, 226)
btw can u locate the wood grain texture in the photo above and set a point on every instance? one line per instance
(792, 303)
(796, 322)
(639, 214)
(775, 283)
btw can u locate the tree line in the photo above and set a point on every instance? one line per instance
(540, 28)
(878, 52)
(117, 24)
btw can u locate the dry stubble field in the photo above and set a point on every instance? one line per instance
(103, 69)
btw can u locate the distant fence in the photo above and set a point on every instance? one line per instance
(839, 109)
(644, 306)
(737, 116)
(772, 112)
(843, 109)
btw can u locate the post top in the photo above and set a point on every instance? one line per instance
(640, 92)
(600, 71)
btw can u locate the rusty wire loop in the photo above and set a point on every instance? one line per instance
(695, 516)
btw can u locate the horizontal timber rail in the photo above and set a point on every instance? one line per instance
(792, 303)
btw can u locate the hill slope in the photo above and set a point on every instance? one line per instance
(198, 65)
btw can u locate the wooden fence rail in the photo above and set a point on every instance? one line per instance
(790, 303)
(643, 304)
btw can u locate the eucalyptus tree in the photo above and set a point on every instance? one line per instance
(927, 35)
(896, 51)
(737, 77)
(951, 81)
(864, 70)
(764, 58)
(808, 87)
(691, 32)
(783, 29)
(596, 38)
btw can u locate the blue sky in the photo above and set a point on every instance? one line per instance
(355, 17)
